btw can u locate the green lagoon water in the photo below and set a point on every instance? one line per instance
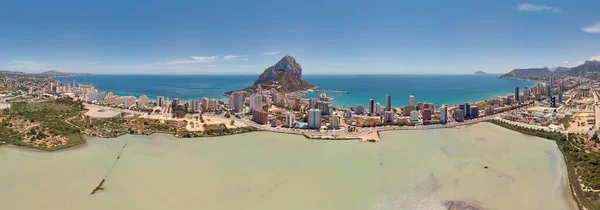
(261, 170)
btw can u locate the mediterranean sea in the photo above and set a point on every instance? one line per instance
(438, 89)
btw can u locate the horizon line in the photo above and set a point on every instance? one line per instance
(310, 74)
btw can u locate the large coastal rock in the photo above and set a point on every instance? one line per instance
(285, 77)
(286, 66)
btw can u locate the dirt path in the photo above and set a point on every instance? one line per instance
(67, 121)
(27, 128)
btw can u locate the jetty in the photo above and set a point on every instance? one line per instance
(333, 91)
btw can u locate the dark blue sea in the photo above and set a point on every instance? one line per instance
(438, 89)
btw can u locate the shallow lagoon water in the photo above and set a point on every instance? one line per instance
(262, 170)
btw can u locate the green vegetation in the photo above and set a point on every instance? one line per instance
(565, 121)
(178, 112)
(401, 122)
(105, 127)
(215, 130)
(581, 164)
(10, 136)
(50, 118)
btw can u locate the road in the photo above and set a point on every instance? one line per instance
(596, 108)
(363, 131)
(117, 109)
(68, 121)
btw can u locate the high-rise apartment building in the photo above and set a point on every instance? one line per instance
(388, 102)
(314, 118)
(444, 114)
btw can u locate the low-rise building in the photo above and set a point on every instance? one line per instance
(389, 117)
(194, 105)
(459, 115)
(212, 104)
(426, 113)
(334, 122)
(489, 110)
(260, 116)
(204, 103)
(414, 116)
(359, 109)
(142, 101)
(290, 119)
(474, 112)
(406, 110)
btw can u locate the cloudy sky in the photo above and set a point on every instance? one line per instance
(326, 37)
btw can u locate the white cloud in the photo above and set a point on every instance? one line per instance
(596, 58)
(527, 7)
(93, 62)
(570, 64)
(194, 59)
(595, 29)
(270, 53)
(178, 62)
(231, 57)
(204, 59)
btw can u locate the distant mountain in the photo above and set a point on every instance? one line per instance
(530, 74)
(4, 72)
(480, 73)
(51, 73)
(560, 69)
(54, 73)
(285, 76)
(589, 69)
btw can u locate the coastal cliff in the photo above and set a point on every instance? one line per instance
(589, 70)
(530, 74)
(285, 76)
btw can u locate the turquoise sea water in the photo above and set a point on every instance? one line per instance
(438, 89)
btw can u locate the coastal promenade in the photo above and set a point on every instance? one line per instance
(344, 134)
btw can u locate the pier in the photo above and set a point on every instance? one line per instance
(333, 91)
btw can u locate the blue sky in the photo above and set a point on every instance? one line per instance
(326, 37)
